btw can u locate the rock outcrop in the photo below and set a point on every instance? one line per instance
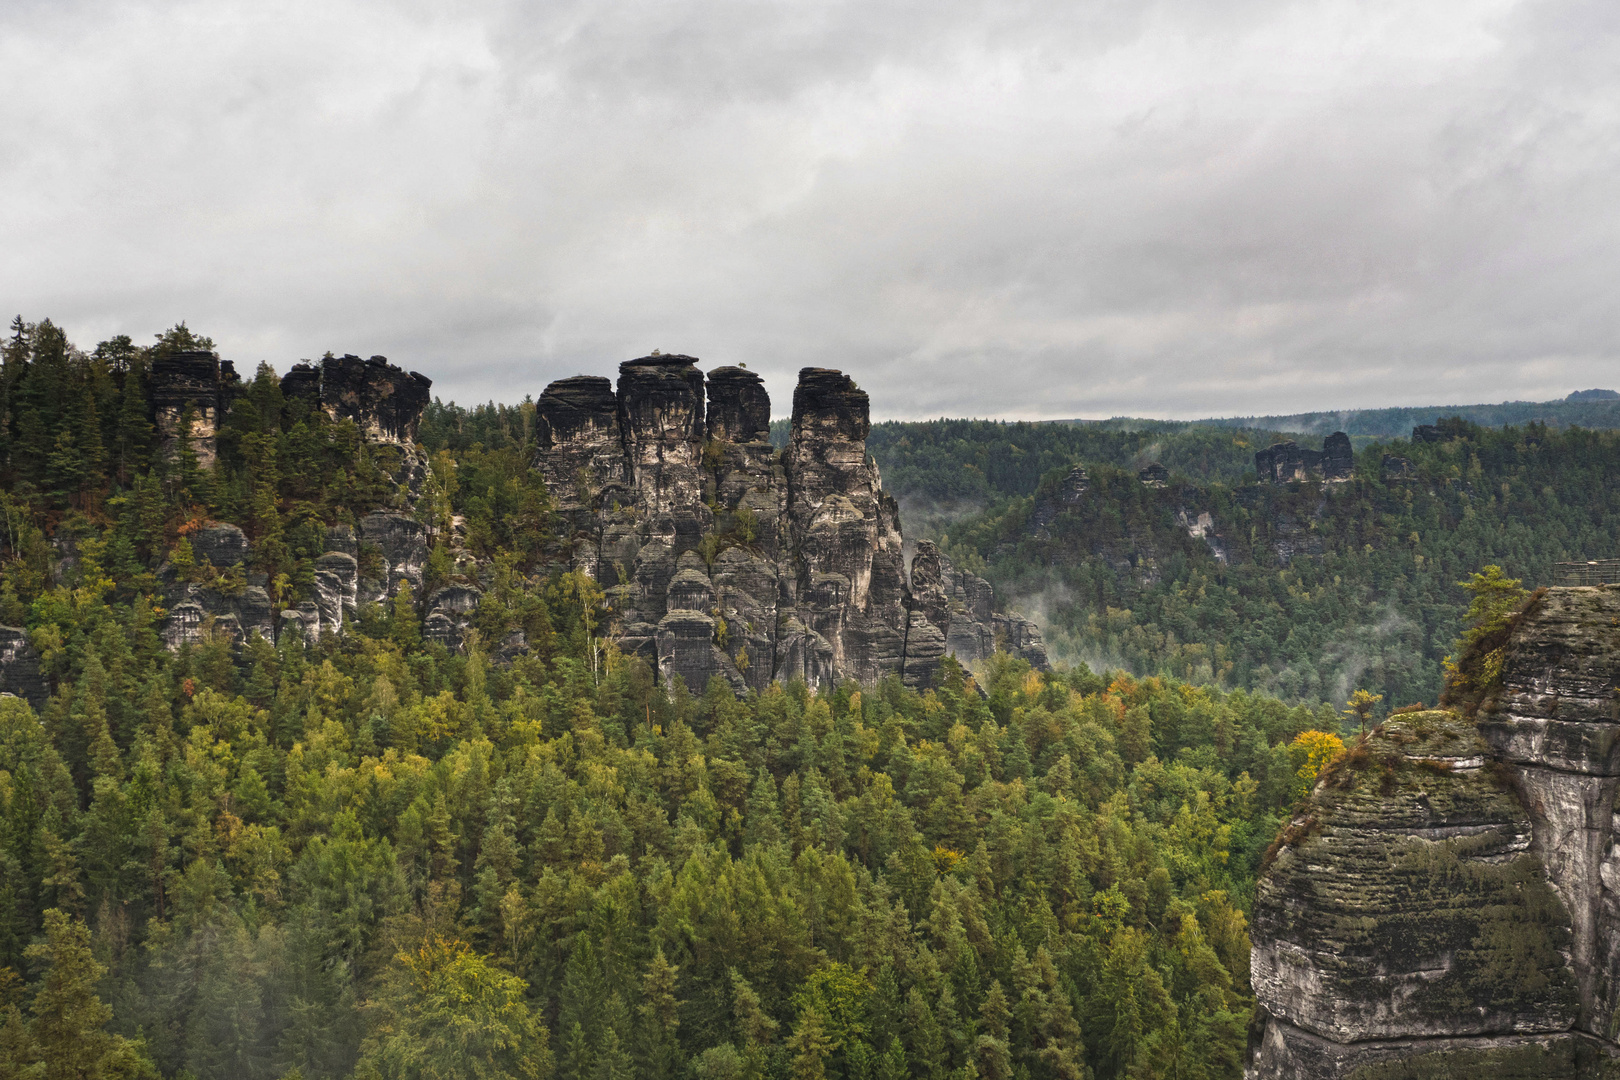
(1396, 467)
(386, 402)
(1066, 497)
(722, 557)
(19, 668)
(1448, 904)
(198, 380)
(1288, 462)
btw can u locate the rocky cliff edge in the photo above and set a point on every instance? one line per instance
(1447, 901)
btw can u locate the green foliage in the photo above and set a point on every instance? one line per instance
(1309, 591)
(370, 856)
(1482, 645)
(447, 1012)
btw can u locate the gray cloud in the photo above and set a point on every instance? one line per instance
(1014, 209)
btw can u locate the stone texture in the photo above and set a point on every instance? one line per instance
(19, 668)
(1448, 902)
(236, 613)
(1396, 467)
(199, 380)
(739, 407)
(386, 402)
(1155, 475)
(722, 557)
(1288, 462)
(222, 545)
(449, 614)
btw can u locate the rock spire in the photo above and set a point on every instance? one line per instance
(722, 556)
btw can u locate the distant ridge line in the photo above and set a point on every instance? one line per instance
(1398, 421)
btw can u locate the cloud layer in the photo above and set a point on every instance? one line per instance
(1029, 208)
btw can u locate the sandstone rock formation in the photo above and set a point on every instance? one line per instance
(200, 380)
(19, 668)
(1396, 467)
(1068, 496)
(1288, 462)
(383, 400)
(1449, 902)
(721, 556)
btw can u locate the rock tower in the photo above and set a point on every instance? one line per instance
(722, 556)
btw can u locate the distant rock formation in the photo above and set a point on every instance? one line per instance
(383, 400)
(1155, 475)
(722, 557)
(1395, 467)
(1066, 497)
(719, 555)
(1288, 462)
(386, 404)
(1448, 902)
(197, 379)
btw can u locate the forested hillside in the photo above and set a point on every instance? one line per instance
(367, 854)
(1596, 409)
(1308, 591)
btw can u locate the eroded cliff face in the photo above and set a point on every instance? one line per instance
(1448, 903)
(195, 384)
(721, 556)
(386, 402)
(1288, 462)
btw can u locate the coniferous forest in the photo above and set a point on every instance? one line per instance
(1305, 590)
(370, 855)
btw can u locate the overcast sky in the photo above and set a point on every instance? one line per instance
(1017, 208)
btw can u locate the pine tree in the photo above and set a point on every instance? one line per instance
(993, 1059)
(612, 1060)
(894, 1065)
(69, 1022)
(810, 1046)
(660, 1048)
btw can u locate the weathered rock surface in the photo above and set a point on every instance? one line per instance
(1396, 467)
(200, 380)
(722, 557)
(383, 400)
(19, 668)
(234, 612)
(1449, 903)
(1288, 462)
(222, 545)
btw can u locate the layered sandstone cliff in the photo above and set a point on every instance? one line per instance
(1448, 902)
(721, 556)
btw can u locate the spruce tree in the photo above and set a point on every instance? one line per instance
(69, 1025)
